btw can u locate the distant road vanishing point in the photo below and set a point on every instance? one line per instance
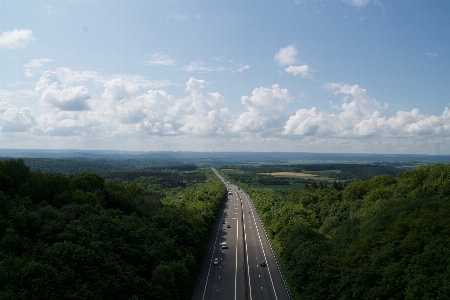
(245, 268)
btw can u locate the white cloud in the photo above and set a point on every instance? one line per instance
(264, 111)
(72, 123)
(140, 81)
(243, 68)
(286, 56)
(37, 62)
(124, 113)
(158, 113)
(201, 112)
(28, 73)
(34, 63)
(196, 66)
(358, 3)
(303, 70)
(431, 54)
(13, 119)
(183, 17)
(361, 117)
(16, 39)
(116, 90)
(162, 59)
(63, 98)
(68, 77)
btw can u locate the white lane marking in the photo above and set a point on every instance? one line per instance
(210, 264)
(264, 253)
(235, 272)
(246, 251)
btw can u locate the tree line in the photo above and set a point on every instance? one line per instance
(335, 171)
(387, 237)
(86, 237)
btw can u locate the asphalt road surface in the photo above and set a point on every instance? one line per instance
(239, 274)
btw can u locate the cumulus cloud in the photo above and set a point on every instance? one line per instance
(158, 113)
(303, 70)
(201, 111)
(286, 56)
(116, 90)
(55, 94)
(67, 76)
(72, 123)
(264, 113)
(361, 117)
(16, 38)
(128, 112)
(161, 59)
(13, 119)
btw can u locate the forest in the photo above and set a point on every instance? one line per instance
(386, 237)
(142, 233)
(135, 236)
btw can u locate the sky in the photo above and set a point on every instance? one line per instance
(327, 76)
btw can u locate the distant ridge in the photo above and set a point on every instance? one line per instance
(225, 157)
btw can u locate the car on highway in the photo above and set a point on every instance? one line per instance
(216, 261)
(262, 263)
(228, 226)
(224, 245)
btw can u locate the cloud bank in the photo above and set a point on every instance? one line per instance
(130, 107)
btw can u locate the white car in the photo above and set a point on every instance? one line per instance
(216, 261)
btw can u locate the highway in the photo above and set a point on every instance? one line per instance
(239, 274)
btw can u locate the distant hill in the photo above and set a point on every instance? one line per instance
(221, 158)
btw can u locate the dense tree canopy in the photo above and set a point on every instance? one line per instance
(85, 237)
(382, 238)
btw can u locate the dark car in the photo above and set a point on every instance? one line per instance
(228, 226)
(263, 263)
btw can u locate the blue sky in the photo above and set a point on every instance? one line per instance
(363, 76)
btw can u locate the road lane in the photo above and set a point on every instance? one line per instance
(225, 280)
(239, 274)
(266, 281)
